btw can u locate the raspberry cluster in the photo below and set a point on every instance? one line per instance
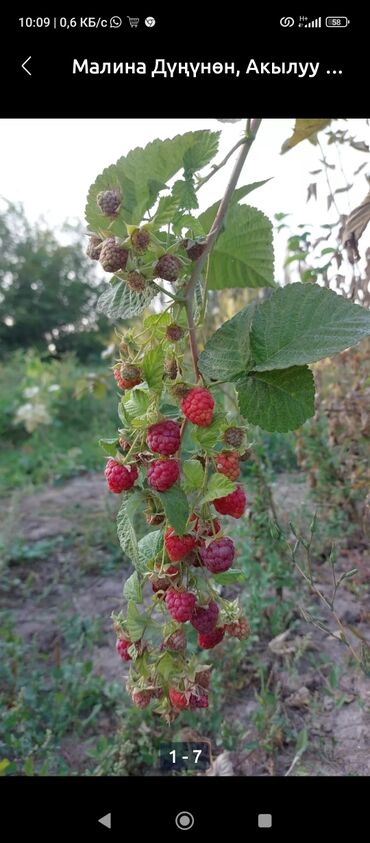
(175, 439)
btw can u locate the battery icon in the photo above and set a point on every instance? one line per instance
(337, 23)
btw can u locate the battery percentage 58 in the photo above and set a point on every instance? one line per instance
(337, 23)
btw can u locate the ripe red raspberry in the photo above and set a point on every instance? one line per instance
(112, 256)
(218, 556)
(167, 268)
(233, 504)
(122, 646)
(239, 629)
(142, 698)
(140, 239)
(180, 604)
(179, 699)
(94, 247)
(233, 436)
(175, 641)
(198, 406)
(136, 281)
(174, 332)
(228, 464)
(109, 201)
(164, 438)
(119, 477)
(178, 546)
(204, 618)
(129, 376)
(210, 639)
(162, 474)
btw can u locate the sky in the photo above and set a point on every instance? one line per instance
(48, 165)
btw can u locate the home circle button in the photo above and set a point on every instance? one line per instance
(184, 820)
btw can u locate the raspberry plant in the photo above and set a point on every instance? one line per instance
(175, 458)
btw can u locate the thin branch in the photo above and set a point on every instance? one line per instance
(252, 129)
(217, 167)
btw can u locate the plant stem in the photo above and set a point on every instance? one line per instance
(217, 167)
(251, 131)
(162, 290)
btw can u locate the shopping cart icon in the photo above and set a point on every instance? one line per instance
(133, 22)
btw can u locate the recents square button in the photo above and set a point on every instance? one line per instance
(264, 820)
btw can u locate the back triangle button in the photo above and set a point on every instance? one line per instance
(107, 820)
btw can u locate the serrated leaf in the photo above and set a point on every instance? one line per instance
(229, 577)
(227, 351)
(109, 446)
(153, 368)
(176, 508)
(167, 207)
(167, 665)
(135, 403)
(243, 255)
(194, 474)
(132, 588)
(303, 130)
(133, 176)
(136, 622)
(119, 302)
(157, 320)
(302, 323)
(277, 400)
(207, 217)
(206, 437)
(149, 547)
(218, 487)
(201, 153)
(187, 221)
(185, 195)
(125, 526)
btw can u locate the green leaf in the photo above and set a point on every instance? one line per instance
(303, 130)
(185, 195)
(109, 446)
(167, 665)
(227, 351)
(206, 437)
(207, 217)
(133, 176)
(135, 623)
(194, 474)
(167, 208)
(277, 401)
(218, 487)
(4, 764)
(132, 588)
(135, 403)
(229, 577)
(153, 368)
(302, 323)
(176, 508)
(200, 153)
(119, 302)
(125, 526)
(243, 255)
(157, 322)
(194, 228)
(149, 547)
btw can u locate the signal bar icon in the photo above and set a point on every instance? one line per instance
(316, 24)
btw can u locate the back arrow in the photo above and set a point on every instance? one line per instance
(26, 68)
(107, 820)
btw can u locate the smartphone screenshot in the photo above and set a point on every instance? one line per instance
(185, 422)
